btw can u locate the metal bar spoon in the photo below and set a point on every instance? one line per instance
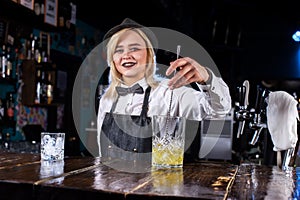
(171, 98)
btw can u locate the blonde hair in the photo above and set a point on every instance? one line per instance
(115, 76)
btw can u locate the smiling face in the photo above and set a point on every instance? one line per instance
(130, 57)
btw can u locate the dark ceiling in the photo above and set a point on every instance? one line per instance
(193, 17)
(252, 38)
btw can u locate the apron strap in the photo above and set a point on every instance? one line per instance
(113, 107)
(146, 103)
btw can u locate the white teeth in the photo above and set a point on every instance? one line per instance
(128, 64)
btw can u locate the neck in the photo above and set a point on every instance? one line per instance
(131, 81)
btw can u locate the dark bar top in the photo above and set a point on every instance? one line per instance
(24, 175)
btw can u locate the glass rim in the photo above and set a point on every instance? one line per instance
(170, 116)
(53, 133)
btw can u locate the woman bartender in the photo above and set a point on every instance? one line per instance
(134, 90)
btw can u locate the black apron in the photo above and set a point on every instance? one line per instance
(127, 137)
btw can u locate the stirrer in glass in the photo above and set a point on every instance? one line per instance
(171, 98)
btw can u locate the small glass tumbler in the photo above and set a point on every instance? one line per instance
(52, 146)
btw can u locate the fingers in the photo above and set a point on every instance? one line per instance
(179, 77)
(179, 63)
(190, 71)
(183, 77)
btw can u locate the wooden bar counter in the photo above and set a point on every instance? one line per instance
(24, 176)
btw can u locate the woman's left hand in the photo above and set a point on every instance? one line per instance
(187, 71)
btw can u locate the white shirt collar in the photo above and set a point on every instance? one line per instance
(142, 82)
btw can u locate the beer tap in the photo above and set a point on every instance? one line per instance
(259, 120)
(243, 114)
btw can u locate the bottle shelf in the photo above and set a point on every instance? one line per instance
(9, 9)
(39, 83)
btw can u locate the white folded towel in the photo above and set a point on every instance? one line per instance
(282, 116)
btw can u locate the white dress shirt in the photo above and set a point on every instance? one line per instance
(211, 100)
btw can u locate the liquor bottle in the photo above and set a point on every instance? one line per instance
(39, 8)
(43, 95)
(42, 5)
(34, 49)
(38, 87)
(42, 86)
(37, 50)
(9, 66)
(17, 62)
(32, 45)
(1, 66)
(10, 111)
(6, 143)
(29, 41)
(3, 61)
(44, 55)
(1, 111)
(49, 89)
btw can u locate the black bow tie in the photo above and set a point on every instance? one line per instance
(134, 89)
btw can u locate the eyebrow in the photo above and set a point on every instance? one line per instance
(130, 45)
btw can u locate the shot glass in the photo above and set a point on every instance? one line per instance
(168, 141)
(52, 146)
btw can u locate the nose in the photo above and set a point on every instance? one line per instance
(126, 54)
